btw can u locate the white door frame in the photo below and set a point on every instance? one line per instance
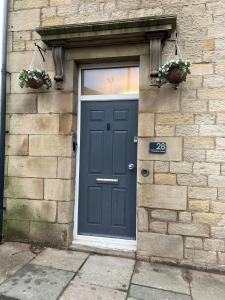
(95, 241)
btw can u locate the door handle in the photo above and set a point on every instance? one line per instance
(107, 180)
(131, 166)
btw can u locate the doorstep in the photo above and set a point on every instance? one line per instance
(106, 246)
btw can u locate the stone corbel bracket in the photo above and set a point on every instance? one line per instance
(154, 30)
(58, 58)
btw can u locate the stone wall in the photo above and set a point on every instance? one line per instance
(181, 206)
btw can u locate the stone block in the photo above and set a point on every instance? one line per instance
(204, 168)
(198, 205)
(174, 119)
(22, 103)
(186, 130)
(159, 100)
(220, 143)
(194, 155)
(202, 69)
(30, 188)
(160, 245)
(161, 166)
(207, 218)
(50, 145)
(158, 226)
(214, 245)
(199, 230)
(195, 106)
(205, 119)
(212, 130)
(216, 106)
(44, 167)
(36, 210)
(55, 103)
(217, 181)
(199, 143)
(65, 212)
(53, 21)
(185, 217)
(51, 234)
(26, 4)
(173, 153)
(165, 215)
(169, 179)
(142, 219)
(34, 124)
(215, 156)
(21, 20)
(220, 118)
(202, 193)
(210, 94)
(58, 189)
(200, 256)
(67, 124)
(66, 168)
(164, 130)
(148, 165)
(17, 230)
(181, 167)
(217, 207)
(16, 144)
(193, 243)
(218, 232)
(146, 125)
(162, 196)
(193, 180)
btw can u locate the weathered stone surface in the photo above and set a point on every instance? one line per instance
(201, 230)
(174, 149)
(185, 217)
(162, 196)
(206, 168)
(200, 257)
(161, 277)
(58, 189)
(214, 245)
(161, 166)
(165, 215)
(16, 144)
(34, 124)
(111, 272)
(207, 218)
(198, 205)
(66, 168)
(174, 119)
(44, 167)
(181, 167)
(30, 188)
(50, 145)
(193, 243)
(40, 279)
(55, 103)
(199, 143)
(22, 103)
(157, 244)
(146, 125)
(34, 210)
(166, 179)
(13, 257)
(158, 226)
(65, 212)
(148, 165)
(89, 291)
(17, 23)
(203, 193)
(144, 293)
(61, 259)
(191, 180)
(142, 219)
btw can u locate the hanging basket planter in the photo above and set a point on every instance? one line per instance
(175, 72)
(34, 78)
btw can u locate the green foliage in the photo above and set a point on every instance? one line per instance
(172, 64)
(36, 74)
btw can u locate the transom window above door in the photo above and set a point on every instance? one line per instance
(110, 81)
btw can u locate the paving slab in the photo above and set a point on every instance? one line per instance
(13, 256)
(36, 283)
(90, 292)
(207, 286)
(61, 259)
(106, 271)
(146, 293)
(161, 277)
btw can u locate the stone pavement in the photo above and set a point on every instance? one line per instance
(70, 275)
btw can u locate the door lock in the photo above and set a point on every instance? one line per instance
(131, 166)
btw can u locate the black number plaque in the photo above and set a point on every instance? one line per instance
(157, 147)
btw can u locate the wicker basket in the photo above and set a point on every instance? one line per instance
(35, 84)
(176, 76)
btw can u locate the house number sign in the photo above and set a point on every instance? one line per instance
(157, 147)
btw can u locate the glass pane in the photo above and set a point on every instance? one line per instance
(121, 80)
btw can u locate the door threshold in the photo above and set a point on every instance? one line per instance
(108, 246)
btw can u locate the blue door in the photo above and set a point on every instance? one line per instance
(108, 160)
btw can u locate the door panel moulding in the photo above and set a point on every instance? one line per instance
(153, 30)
